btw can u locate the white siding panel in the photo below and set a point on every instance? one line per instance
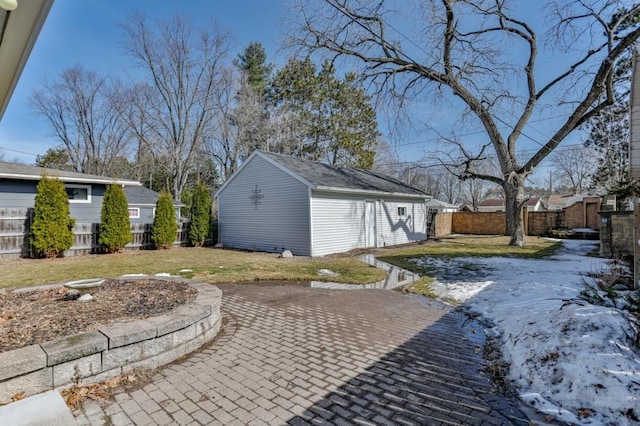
(280, 220)
(338, 223)
(395, 229)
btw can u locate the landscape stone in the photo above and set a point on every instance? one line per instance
(72, 294)
(85, 298)
(286, 254)
(122, 334)
(74, 347)
(30, 384)
(75, 370)
(22, 361)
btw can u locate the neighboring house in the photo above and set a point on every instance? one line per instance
(497, 205)
(275, 202)
(19, 29)
(559, 202)
(18, 184)
(142, 204)
(441, 206)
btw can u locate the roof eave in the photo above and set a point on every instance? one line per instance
(371, 192)
(106, 181)
(22, 28)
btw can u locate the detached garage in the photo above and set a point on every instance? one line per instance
(275, 202)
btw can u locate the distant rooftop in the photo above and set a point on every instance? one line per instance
(498, 202)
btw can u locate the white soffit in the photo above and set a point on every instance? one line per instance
(19, 30)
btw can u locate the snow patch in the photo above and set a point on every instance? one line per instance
(568, 358)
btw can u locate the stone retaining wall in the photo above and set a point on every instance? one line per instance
(113, 349)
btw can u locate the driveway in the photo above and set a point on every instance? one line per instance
(300, 355)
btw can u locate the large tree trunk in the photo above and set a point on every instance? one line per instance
(514, 201)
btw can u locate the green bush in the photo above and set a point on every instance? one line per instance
(51, 231)
(115, 228)
(200, 214)
(165, 228)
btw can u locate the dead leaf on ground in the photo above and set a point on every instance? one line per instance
(19, 396)
(584, 412)
(551, 356)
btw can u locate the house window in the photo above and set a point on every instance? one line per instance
(78, 193)
(402, 211)
(134, 213)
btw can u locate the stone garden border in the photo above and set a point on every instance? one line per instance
(114, 349)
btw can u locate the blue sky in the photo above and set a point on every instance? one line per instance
(86, 32)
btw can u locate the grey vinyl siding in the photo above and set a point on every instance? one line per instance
(281, 220)
(22, 193)
(394, 229)
(338, 222)
(146, 213)
(89, 212)
(17, 193)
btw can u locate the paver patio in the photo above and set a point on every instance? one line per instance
(299, 355)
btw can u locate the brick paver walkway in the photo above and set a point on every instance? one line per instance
(297, 355)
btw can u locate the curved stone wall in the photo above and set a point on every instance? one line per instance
(113, 349)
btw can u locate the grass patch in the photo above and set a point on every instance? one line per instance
(421, 287)
(470, 246)
(206, 264)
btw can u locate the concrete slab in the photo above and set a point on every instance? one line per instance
(45, 409)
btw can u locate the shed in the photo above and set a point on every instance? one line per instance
(275, 202)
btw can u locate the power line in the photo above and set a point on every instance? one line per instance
(18, 151)
(420, 48)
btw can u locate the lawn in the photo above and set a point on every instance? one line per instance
(207, 264)
(464, 246)
(217, 266)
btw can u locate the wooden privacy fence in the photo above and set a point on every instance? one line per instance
(15, 226)
(536, 223)
(86, 237)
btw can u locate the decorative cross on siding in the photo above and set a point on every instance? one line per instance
(256, 196)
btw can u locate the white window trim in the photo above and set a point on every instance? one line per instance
(136, 215)
(405, 211)
(87, 187)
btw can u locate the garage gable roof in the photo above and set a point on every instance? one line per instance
(326, 177)
(25, 172)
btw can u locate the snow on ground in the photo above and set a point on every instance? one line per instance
(568, 358)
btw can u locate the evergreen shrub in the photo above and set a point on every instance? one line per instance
(115, 227)
(52, 227)
(164, 229)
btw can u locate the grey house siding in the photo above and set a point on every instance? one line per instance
(146, 213)
(89, 212)
(22, 193)
(17, 193)
(280, 219)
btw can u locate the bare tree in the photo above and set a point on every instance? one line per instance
(472, 50)
(184, 67)
(574, 166)
(82, 109)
